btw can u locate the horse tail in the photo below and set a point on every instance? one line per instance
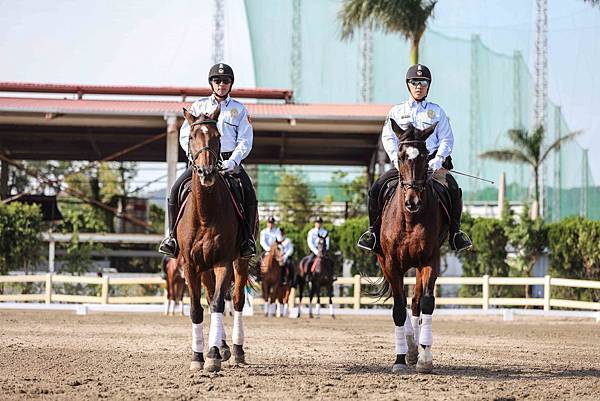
(382, 289)
(254, 272)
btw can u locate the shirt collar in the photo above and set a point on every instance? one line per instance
(214, 101)
(413, 103)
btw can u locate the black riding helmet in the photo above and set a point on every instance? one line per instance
(220, 70)
(418, 71)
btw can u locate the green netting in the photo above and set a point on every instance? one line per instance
(484, 93)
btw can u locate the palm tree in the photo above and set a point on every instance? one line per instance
(408, 17)
(528, 150)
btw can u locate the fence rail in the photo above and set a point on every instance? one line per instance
(357, 300)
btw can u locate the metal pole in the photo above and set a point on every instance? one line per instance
(172, 157)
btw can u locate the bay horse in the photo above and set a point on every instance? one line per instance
(209, 236)
(319, 274)
(270, 273)
(412, 231)
(175, 285)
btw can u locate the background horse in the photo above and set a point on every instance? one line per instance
(209, 237)
(175, 285)
(319, 274)
(412, 231)
(270, 273)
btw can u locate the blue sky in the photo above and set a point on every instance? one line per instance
(155, 42)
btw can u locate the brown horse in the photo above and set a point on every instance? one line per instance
(270, 273)
(209, 234)
(320, 274)
(413, 229)
(175, 285)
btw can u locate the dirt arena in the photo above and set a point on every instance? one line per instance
(59, 355)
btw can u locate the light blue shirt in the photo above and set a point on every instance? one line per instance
(236, 132)
(268, 237)
(421, 115)
(288, 249)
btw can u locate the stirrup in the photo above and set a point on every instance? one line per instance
(169, 247)
(367, 241)
(466, 245)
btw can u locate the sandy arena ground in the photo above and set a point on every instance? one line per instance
(62, 356)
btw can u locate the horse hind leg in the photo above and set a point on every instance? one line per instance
(239, 299)
(427, 305)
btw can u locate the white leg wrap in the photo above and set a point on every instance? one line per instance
(331, 310)
(266, 308)
(408, 327)
(198, 337)
(415, 324)
(401, 346)
(167, 307)
(318, 309)
(181, 307)
(285, 310)
(272, 309)
(309, 308)
(278, 313)
(426, 334)
(215, 334)
(238, 329)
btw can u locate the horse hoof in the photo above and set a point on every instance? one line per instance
(212, 365)
(239, 356)
(225, 352)
(197, 361)
(399, 368)
(425, 361)
(413, 351)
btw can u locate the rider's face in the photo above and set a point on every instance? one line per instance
(221, 86)
(418, 91)
(318, 225)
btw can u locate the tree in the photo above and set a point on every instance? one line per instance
(355, 191)
(20, 236)
(528, 150)
(528, 237)
(295, 197)
(407, 17)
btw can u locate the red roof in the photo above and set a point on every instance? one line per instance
(160, 108)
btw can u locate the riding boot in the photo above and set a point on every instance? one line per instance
(168, 246)
(369, 239)
(459, 241)
(248, 245)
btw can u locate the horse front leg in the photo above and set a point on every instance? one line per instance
(330, 294)
(197, 316)
(265, 294)
(217, 307)
(412, 322)
(427, 305)
(318, 305)
(239, 299)
(395, 278)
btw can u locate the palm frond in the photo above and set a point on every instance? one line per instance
(557, 143)
(506, 155)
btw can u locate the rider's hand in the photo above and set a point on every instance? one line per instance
(229, 165)
(436, 163)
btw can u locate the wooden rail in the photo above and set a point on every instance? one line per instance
(356, 301)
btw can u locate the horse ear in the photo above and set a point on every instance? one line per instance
(424, 134)
(215, 114)
(396, 128)
(189, 116)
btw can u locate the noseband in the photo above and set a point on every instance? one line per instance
(417, 185)
(212, 167)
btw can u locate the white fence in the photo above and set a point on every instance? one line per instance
(356, 301)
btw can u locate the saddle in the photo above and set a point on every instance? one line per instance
(233, 185)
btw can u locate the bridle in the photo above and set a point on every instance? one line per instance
(417, 185)
(214, 157)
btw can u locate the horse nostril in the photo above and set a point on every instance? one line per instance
(407, 204)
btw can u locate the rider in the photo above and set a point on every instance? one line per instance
(288, 249)
(313, 240)
(236, 144)
(269, 234)
(421, 114)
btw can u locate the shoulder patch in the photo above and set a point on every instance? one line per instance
(431, 113)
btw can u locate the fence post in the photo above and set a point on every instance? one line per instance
(104, 294)
(49, 288)
(547, 293)
(485, 305)
(357, 291)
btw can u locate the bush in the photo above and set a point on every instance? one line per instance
(21, 246)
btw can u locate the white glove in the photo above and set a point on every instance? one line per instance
(436, 163)
(229, 165)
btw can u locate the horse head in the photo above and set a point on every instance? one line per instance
(322, 244)
(278, 251)
(412, 163)
(204, 146)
